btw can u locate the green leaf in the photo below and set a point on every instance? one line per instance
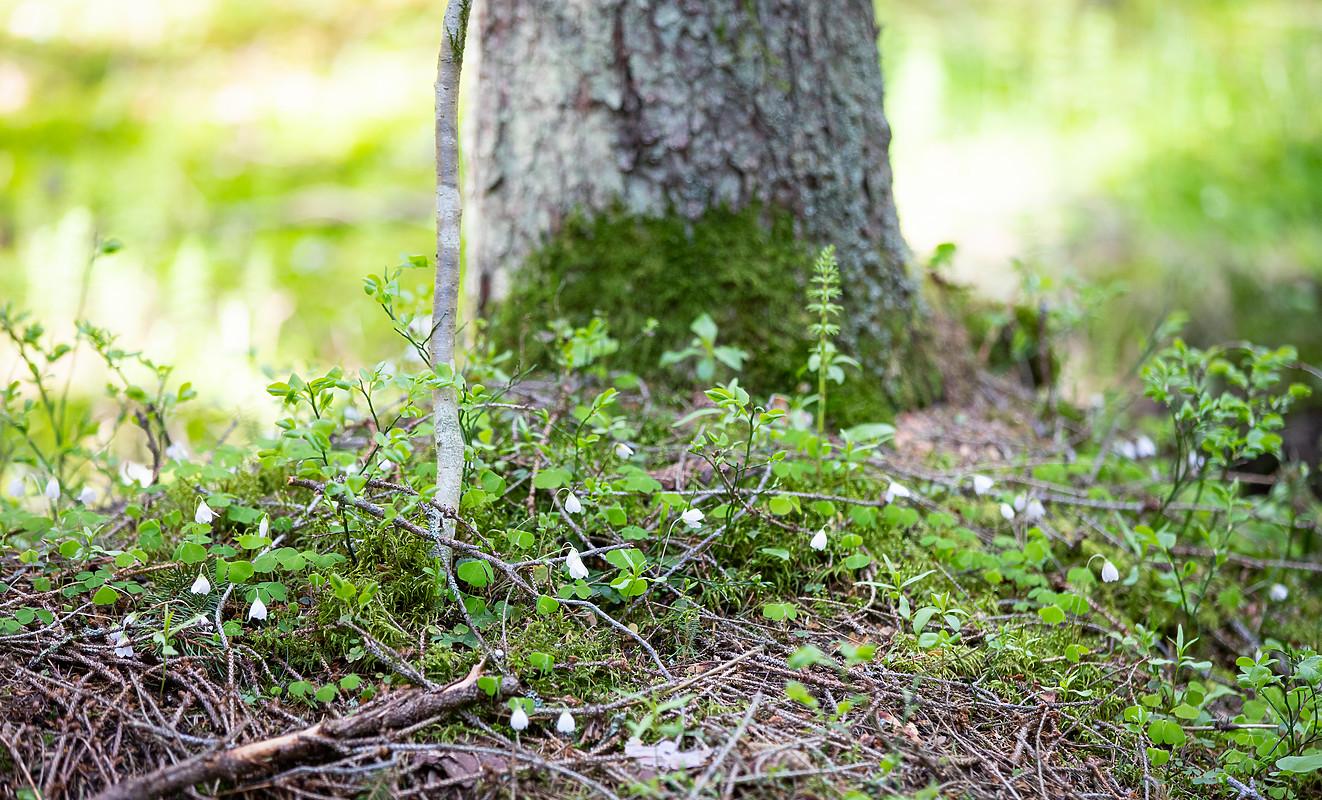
(1185, 711)
(239, 571)
(547, 605)
(542, 661)
(191, 553)
(1052, 615)
(806, 656)
(1300, 764)
(475, 572)
(552, 478)
(105, 596)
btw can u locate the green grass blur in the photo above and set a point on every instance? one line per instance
(256, 159)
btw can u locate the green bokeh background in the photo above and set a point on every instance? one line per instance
(256, 159)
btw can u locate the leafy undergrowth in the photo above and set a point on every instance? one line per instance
(707, 598)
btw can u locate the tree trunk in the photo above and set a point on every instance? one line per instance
(674, 108)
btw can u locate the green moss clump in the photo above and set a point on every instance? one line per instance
(746, 269)
(650, 277)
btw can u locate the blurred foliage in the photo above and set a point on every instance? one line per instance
(257, 159)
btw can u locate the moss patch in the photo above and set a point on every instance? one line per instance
(648, 278)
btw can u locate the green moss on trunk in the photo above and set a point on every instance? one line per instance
(650, 277)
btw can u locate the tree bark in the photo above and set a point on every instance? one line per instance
(659, 107)
(449, 437)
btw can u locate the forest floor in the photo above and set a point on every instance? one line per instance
(940, 637)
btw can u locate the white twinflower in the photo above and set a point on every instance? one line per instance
(1144, 447)
(1109, 573)
(87, 496)
(623, 451)
(1006, 512)
(1035, 510)
(818, 540)
(204, 515)
(1020, 502)
(574, 562)
(52, 491)
(1278, 593)
(565, 723)
(264, 527)
(896, 490)
(123, 645)
(177, 452)
(258, 609)
(201, 585)
(981, 484)
(693, 518)
(18, 487)
(519, 719)
(131, 472)
(572, 504)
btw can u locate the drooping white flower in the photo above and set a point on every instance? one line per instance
(1278, 593)
(386, 465)
(18, 487)
(574, 562)
(982, 484)
(693, 518)
(1035, 510)
(52, 491)
(1196, 461)
(1020, 502)
(258, 609)
(1144, 447)
(1109, 573)
(1125, 448)
(623, 452)
(1007, 513)
(818, 540)
(264, 527)
(204, 514)
(897, 490)
(87, 496)
(572, 504)
(565, 723)
(201, 585)
(519, 719)
(123, 644)
(131, 472)
(177, 452)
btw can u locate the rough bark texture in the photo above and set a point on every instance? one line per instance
(659, 107)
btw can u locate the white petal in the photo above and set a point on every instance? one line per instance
(204, 514)
(693, 517)
(1006, 512)
(53, 489)
(87, 496)
(1020, 502)
(982, 484)
(177, 452)
(201, 585)
(264, 527)
(257, 610)
(519, 719)
(565, 723)
(1278, 593)
(17, 487)
(1144, 447)
(1109, 573)
(1126, 449)
(577, 570)
(819, 540)
(1035, 510)
(572, 504)
(897, 490)
(623, 451)
(387, 465)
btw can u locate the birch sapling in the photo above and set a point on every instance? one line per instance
(449, 436)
